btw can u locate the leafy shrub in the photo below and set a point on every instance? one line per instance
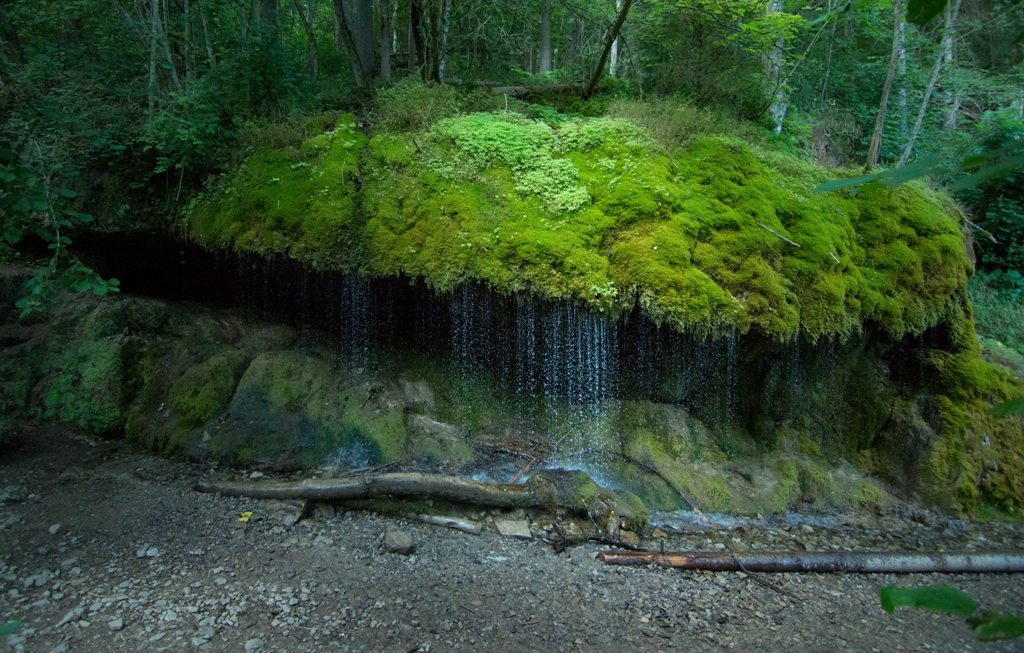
(411, 105)
(676, 124)
(998, 311)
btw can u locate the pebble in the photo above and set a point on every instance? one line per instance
(253, 645)
(515, 528)
(53, 529)
(400, 542)
(115, 624)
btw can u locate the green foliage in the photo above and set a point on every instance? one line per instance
(31, 204)
(411, 105)
(937, 598)
(987, 626)
(1009, 408)
(9, 628)
(998, 312)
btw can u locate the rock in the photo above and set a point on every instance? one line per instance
(806, 528)
(287, 512)
(253, 645)
(323, 511)
(400, 542)
(629, 537)
(199, 641)
(515, 528)
(115, 624)
(59, 648)
(53, 529)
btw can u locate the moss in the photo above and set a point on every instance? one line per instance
(815, 483)
(205, 389)
(595, 211)
(787, 486)
(809, 447)
(97, 379)
(299, 202)
(867, 494)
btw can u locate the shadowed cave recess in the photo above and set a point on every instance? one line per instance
(663, 413)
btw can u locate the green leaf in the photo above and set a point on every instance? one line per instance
(85, 217)
(836, 184)
(1007, 408)
(920, 12)
(10, 627)
(938, 598)
(986, 173)
(68, 193)
(995, 626)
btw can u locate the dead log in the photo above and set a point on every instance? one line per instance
(434, 486)
(523, 90)
(854, 563)
(551, 489)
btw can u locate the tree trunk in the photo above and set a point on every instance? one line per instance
(209, 46)
(385, 41)
(167, 50)
(343, 36)
(613, 34)
(947, 41)
(828, 57)
(364, 36)
(154, 32)
(307, 24)
(876, 137)
(443, 49)
(268, 20)
(434, 55)
(245, 22)
(417, 28)
(778, 105)
(185, 48)
(901, 95)
(545, 37)
(613, 62)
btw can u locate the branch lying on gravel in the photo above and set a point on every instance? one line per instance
(471, 527)
(858, 563)
(434, 486)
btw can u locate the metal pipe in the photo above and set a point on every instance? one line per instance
(857, 563)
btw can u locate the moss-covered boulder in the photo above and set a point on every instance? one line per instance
(720, 237)
(203, 391)
(299, 201)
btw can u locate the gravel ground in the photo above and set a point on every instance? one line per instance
(104, 548)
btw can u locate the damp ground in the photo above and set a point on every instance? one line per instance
(106, 548)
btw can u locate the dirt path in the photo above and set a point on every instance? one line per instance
(140, 562)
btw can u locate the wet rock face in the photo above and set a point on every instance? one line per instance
(768, 425)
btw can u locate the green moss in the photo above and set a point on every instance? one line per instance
(299, 202)
(787, 486)
(867, 494)
(97, 379)
(594, 210)
(815, 483)
(205, 389)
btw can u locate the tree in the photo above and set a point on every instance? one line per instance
(876, 137)
(544, 66)
(610, 36)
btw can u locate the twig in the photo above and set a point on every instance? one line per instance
(767, 228)
(520, 473)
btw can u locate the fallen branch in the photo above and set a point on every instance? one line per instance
(522, 90)
(434, 486)
(767, 228)
(463, 525)
(857, 563)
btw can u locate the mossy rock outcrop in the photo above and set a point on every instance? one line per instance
(592, 210)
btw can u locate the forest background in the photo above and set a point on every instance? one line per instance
(128, 107)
